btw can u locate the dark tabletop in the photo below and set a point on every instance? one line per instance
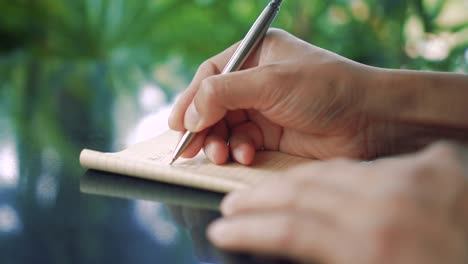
(54, 211)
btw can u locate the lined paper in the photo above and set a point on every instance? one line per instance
(150, 160)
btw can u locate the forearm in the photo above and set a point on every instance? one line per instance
(431, 99)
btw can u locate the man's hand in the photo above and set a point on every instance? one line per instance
(409, 209)
(296, 98)
(290, 96)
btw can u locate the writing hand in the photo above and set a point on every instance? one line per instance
(296, 98)
(290, 96)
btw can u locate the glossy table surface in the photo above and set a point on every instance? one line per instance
(54, 211)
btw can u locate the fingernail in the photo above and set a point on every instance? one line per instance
(192, 118)
(219, 231)
(170, 121)
(229, 203)
(210, 152)
(238, 154)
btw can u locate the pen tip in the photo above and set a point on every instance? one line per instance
(172, 161)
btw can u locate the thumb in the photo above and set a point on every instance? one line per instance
(247, 89)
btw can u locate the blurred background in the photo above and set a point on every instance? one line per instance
(102, 74)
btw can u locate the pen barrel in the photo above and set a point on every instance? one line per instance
(248, 44)
(182, 145)
(253, 37)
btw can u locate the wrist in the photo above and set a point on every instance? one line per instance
(426, 98)
(408, 110)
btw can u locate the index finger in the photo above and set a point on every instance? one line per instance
(210, 67)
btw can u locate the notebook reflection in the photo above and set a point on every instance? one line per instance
(114, 185)
(191, 209)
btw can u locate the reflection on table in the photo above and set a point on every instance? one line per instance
(109, 184)
(191, 209)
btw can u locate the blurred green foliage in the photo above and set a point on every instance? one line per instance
(85, 51)
(148, 32)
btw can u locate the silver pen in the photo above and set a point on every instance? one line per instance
(248, 44)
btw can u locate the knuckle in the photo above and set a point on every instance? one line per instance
(445, 160)
(443, 147)
(420, 174)
(274, 36)
(399, 203)
(286, 235)
(208, 90)
(207, 85)
(208, 67)
(275, 32)
(215, 87)
(291, 195)
(384, 241)
(442, 150)
(439, 159)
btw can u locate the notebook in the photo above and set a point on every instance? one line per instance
(150, 160)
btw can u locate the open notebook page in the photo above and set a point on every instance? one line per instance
(150, 160)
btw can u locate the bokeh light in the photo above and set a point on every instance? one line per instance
(152, 217)
(151, 97)
(150, 126)
(46, 190)
(9, 221)
(8, 166)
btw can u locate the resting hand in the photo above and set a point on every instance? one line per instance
(408, 209)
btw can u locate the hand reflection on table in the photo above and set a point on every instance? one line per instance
(196, 221)
(190, 208)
